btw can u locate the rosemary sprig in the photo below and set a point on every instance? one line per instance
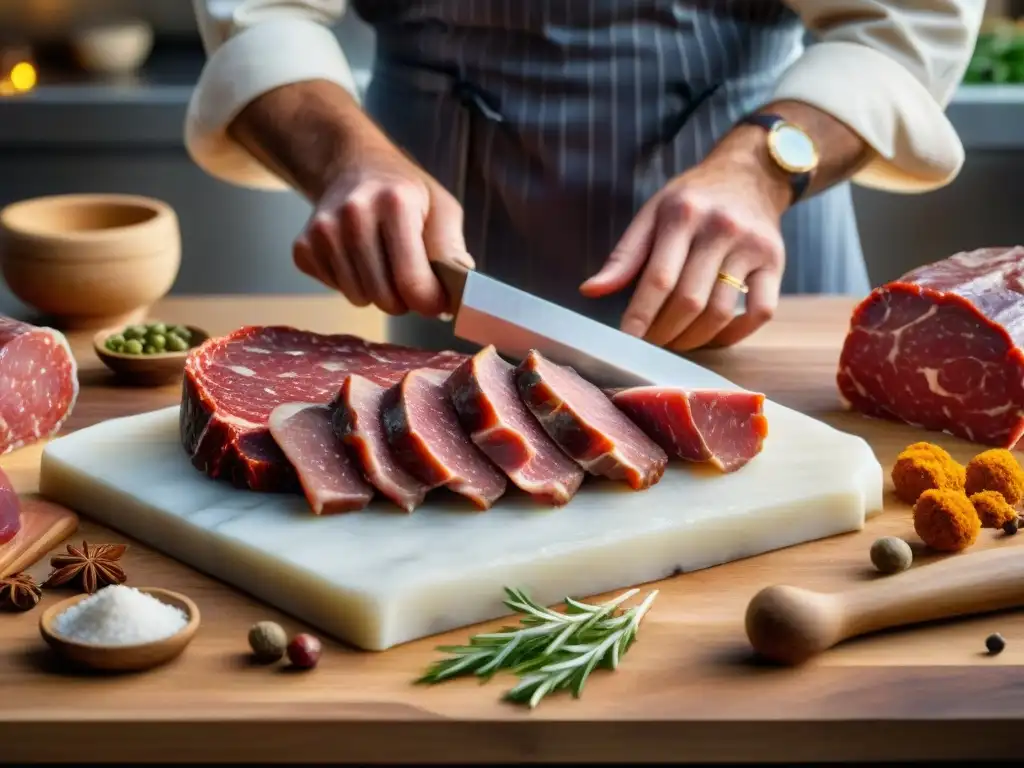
(549, 651)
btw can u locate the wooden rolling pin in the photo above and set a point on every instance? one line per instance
(789, 625)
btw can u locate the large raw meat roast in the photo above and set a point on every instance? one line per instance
(38, 383)
(233, 383)
(941, 348)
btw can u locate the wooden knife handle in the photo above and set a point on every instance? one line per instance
(790, 625)
(453, 277)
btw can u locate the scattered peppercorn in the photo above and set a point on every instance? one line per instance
(992, 509)
(995, 643)
(1010, 527)
(996, 470)
(923, 466)
(946, 521)
(304, 651)
(890, 554)
(268, 641)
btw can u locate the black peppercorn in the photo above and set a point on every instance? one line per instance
(995, 643)
(1010, 527)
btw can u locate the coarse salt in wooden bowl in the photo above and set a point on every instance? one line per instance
(122, 658)
(152, 369)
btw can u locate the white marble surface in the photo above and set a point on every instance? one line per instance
(378, 578)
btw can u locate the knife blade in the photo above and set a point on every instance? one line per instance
(487, 311)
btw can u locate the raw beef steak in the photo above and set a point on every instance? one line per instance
(329, 478)
(358, 423)
(943, 348)
(721, 427)
(483, 392)
(583, 421)
(38, 383)
(232, 383)
(10, 510)
(424, 433)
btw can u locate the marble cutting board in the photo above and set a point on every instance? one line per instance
(378, 578)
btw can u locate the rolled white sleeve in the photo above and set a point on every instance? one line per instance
(255, 46)
(888, 69)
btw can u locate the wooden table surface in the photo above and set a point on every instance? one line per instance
(687, 691)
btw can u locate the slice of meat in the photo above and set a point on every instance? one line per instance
(38, 383)
(424, 434)
(232, 383)
(329, 478)
(581, 419)
(483, 392)
(725, 428)
(943, 348)
(357, 421)
(10, 510)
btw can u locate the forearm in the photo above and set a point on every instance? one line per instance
(841, 150)
(304, 132)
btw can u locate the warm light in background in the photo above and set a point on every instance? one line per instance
(23, 77)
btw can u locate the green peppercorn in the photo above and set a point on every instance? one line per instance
(181, 332)
(995, 643)
(175, 343)
(133, 347)
(268, 641)
(160, 328)
(114, 342)
(158, 341)
(891, 554)
(149, 349)
(135, 332)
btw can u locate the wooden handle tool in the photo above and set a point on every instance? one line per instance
(789, 625)
(452, 277)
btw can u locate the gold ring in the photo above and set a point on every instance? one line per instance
(733, 282)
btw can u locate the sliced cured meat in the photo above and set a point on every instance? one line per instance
(38, 383)
(232, 383)
(357, 421)
(941, 348)
(10, 510)
(483, 392)
(329, 478)
(722, 427)
(581, 419)
(424, 434)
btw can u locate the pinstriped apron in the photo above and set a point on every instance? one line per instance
(553, 123)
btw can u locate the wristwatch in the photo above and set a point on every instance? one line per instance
(790, 148)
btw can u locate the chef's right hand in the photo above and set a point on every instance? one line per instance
(375, 230)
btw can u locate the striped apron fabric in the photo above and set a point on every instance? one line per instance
(553, 123)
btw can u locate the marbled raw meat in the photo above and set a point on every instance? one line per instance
(38, 383)
(329, 478)
(943, 348)
(483, 392)
(357, 421)
(426, 438)
(232, 383)
(10, 510)
(725, 428)
(581, 419)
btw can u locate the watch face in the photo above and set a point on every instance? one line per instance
(793, 148)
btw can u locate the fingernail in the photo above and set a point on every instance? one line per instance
(464, 260)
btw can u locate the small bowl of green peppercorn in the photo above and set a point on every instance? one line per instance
(148, 353)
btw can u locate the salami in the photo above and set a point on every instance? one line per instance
(38, 383)
(10, 510)
(232, 383)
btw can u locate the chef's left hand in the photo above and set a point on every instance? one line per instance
(721, 216)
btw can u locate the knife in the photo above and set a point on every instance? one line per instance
(487, 311)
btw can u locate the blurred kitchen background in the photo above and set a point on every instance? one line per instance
(68, 124)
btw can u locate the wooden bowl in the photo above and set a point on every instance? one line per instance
(123, 658)
(113, 49)
(155, 369)
(89, 261)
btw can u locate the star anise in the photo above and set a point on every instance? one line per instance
(19, 592)
(92, 566)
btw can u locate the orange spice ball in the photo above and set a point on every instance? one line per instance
(917, 470)
(996, 470)
(992, 509)
(945, 520)
(933, 450)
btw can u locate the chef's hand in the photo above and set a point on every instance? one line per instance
(721, 216)
(375, 230)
